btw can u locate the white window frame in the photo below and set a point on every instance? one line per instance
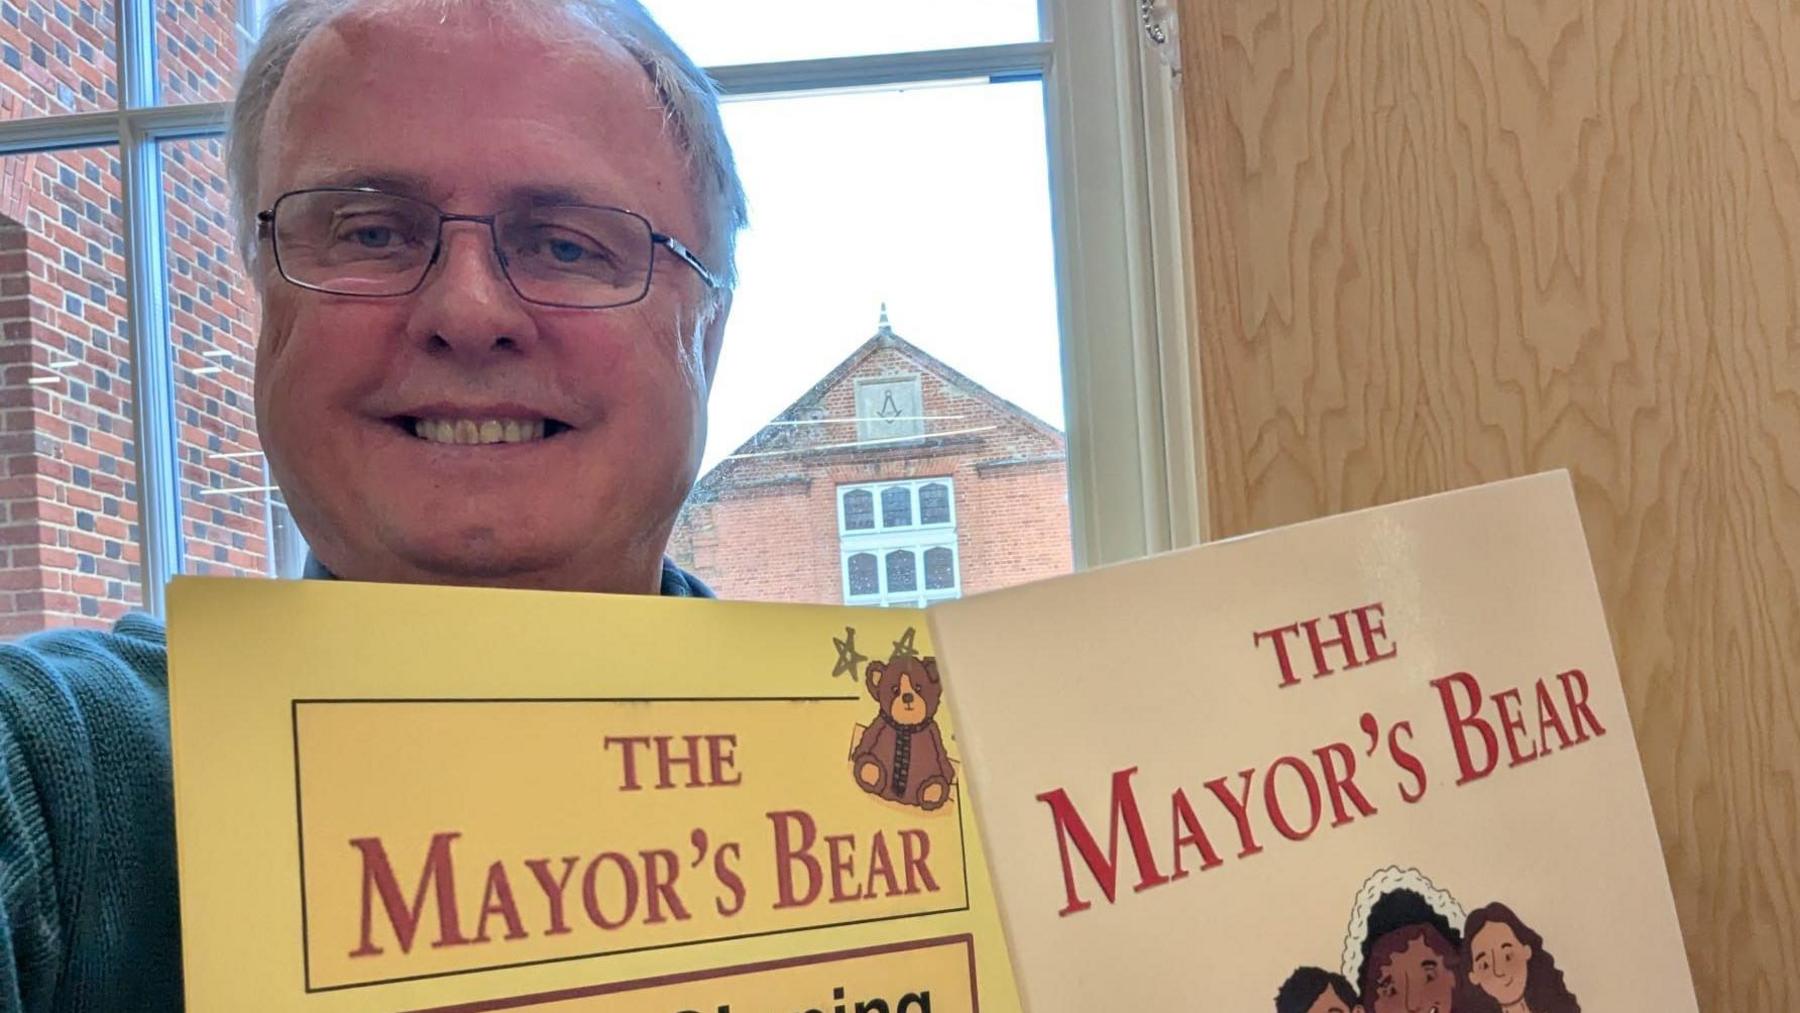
(875, 489)
(919, 597)
(916, 537)
(1119, 220)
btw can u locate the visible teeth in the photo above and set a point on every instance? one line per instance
(475, 432)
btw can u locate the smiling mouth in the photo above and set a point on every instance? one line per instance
(480, 431)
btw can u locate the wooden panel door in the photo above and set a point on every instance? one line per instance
(1440, 242)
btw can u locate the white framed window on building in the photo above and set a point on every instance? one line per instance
(897, 542)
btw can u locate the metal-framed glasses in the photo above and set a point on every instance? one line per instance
(365, 242)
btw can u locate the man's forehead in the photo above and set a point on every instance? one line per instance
(463, 107)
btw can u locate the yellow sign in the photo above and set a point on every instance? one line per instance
(451, 799)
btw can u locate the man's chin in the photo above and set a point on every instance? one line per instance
(481, 554)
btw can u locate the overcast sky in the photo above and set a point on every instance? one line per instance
(933, 199)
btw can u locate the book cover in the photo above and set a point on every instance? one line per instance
(452, 800)
(1378, 762)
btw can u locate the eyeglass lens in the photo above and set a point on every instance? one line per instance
(356, 243)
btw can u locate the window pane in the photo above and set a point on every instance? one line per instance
(902, 571)
(733, 31)
(56, 57)
(934, 503)
(940, 569)
(896, 507)
(859, 511)
(198, 47)
(227, 507)
(68, 482)
(863, 578)
(903, 178)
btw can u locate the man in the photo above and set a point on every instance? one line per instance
(1316, 990)
(494, 243)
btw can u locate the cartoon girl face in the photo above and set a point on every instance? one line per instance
(1498, 962)
(1416, 980)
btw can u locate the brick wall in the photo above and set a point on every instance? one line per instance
(67, 442)
(69, 532)
(212, 323)
(765, 527)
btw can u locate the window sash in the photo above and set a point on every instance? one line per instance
(920, 596)
(878, 490)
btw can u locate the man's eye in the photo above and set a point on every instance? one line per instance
(562, 247)
(565, 251)
(374, 236)
(371, 235)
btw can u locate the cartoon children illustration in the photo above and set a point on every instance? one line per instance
(1409, 958)
(1509, 968)
(1316, 990)
(901, 755)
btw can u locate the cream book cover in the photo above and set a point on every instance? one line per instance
(1379, 762)
(442, 799)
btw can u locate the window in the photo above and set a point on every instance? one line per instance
(877, 149)
(934, 503)
(859, 510)
(910, 557)
(720, 32)
(69, 539)
(896, 507)
(56, 58)
(228, 501)
(901, 503)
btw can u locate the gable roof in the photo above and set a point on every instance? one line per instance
(773, 434)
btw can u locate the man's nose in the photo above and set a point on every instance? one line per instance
(465, 306)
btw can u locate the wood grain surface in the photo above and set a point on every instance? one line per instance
(1440, 242)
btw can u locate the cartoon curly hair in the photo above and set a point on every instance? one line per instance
(1545, 990)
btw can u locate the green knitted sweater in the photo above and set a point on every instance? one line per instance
(89, 911)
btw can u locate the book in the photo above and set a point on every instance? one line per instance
(1381, 761)
(450, 800)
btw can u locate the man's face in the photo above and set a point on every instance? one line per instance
(1415, 980)
(1499, 960)
(475, 117)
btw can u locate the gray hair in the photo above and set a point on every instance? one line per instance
(689, 99)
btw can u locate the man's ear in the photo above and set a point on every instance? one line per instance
(876, 671)
(714, 336)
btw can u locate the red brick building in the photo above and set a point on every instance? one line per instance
(895, 480)
(69, 538)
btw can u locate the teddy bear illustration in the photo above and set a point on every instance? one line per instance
(901, 754)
